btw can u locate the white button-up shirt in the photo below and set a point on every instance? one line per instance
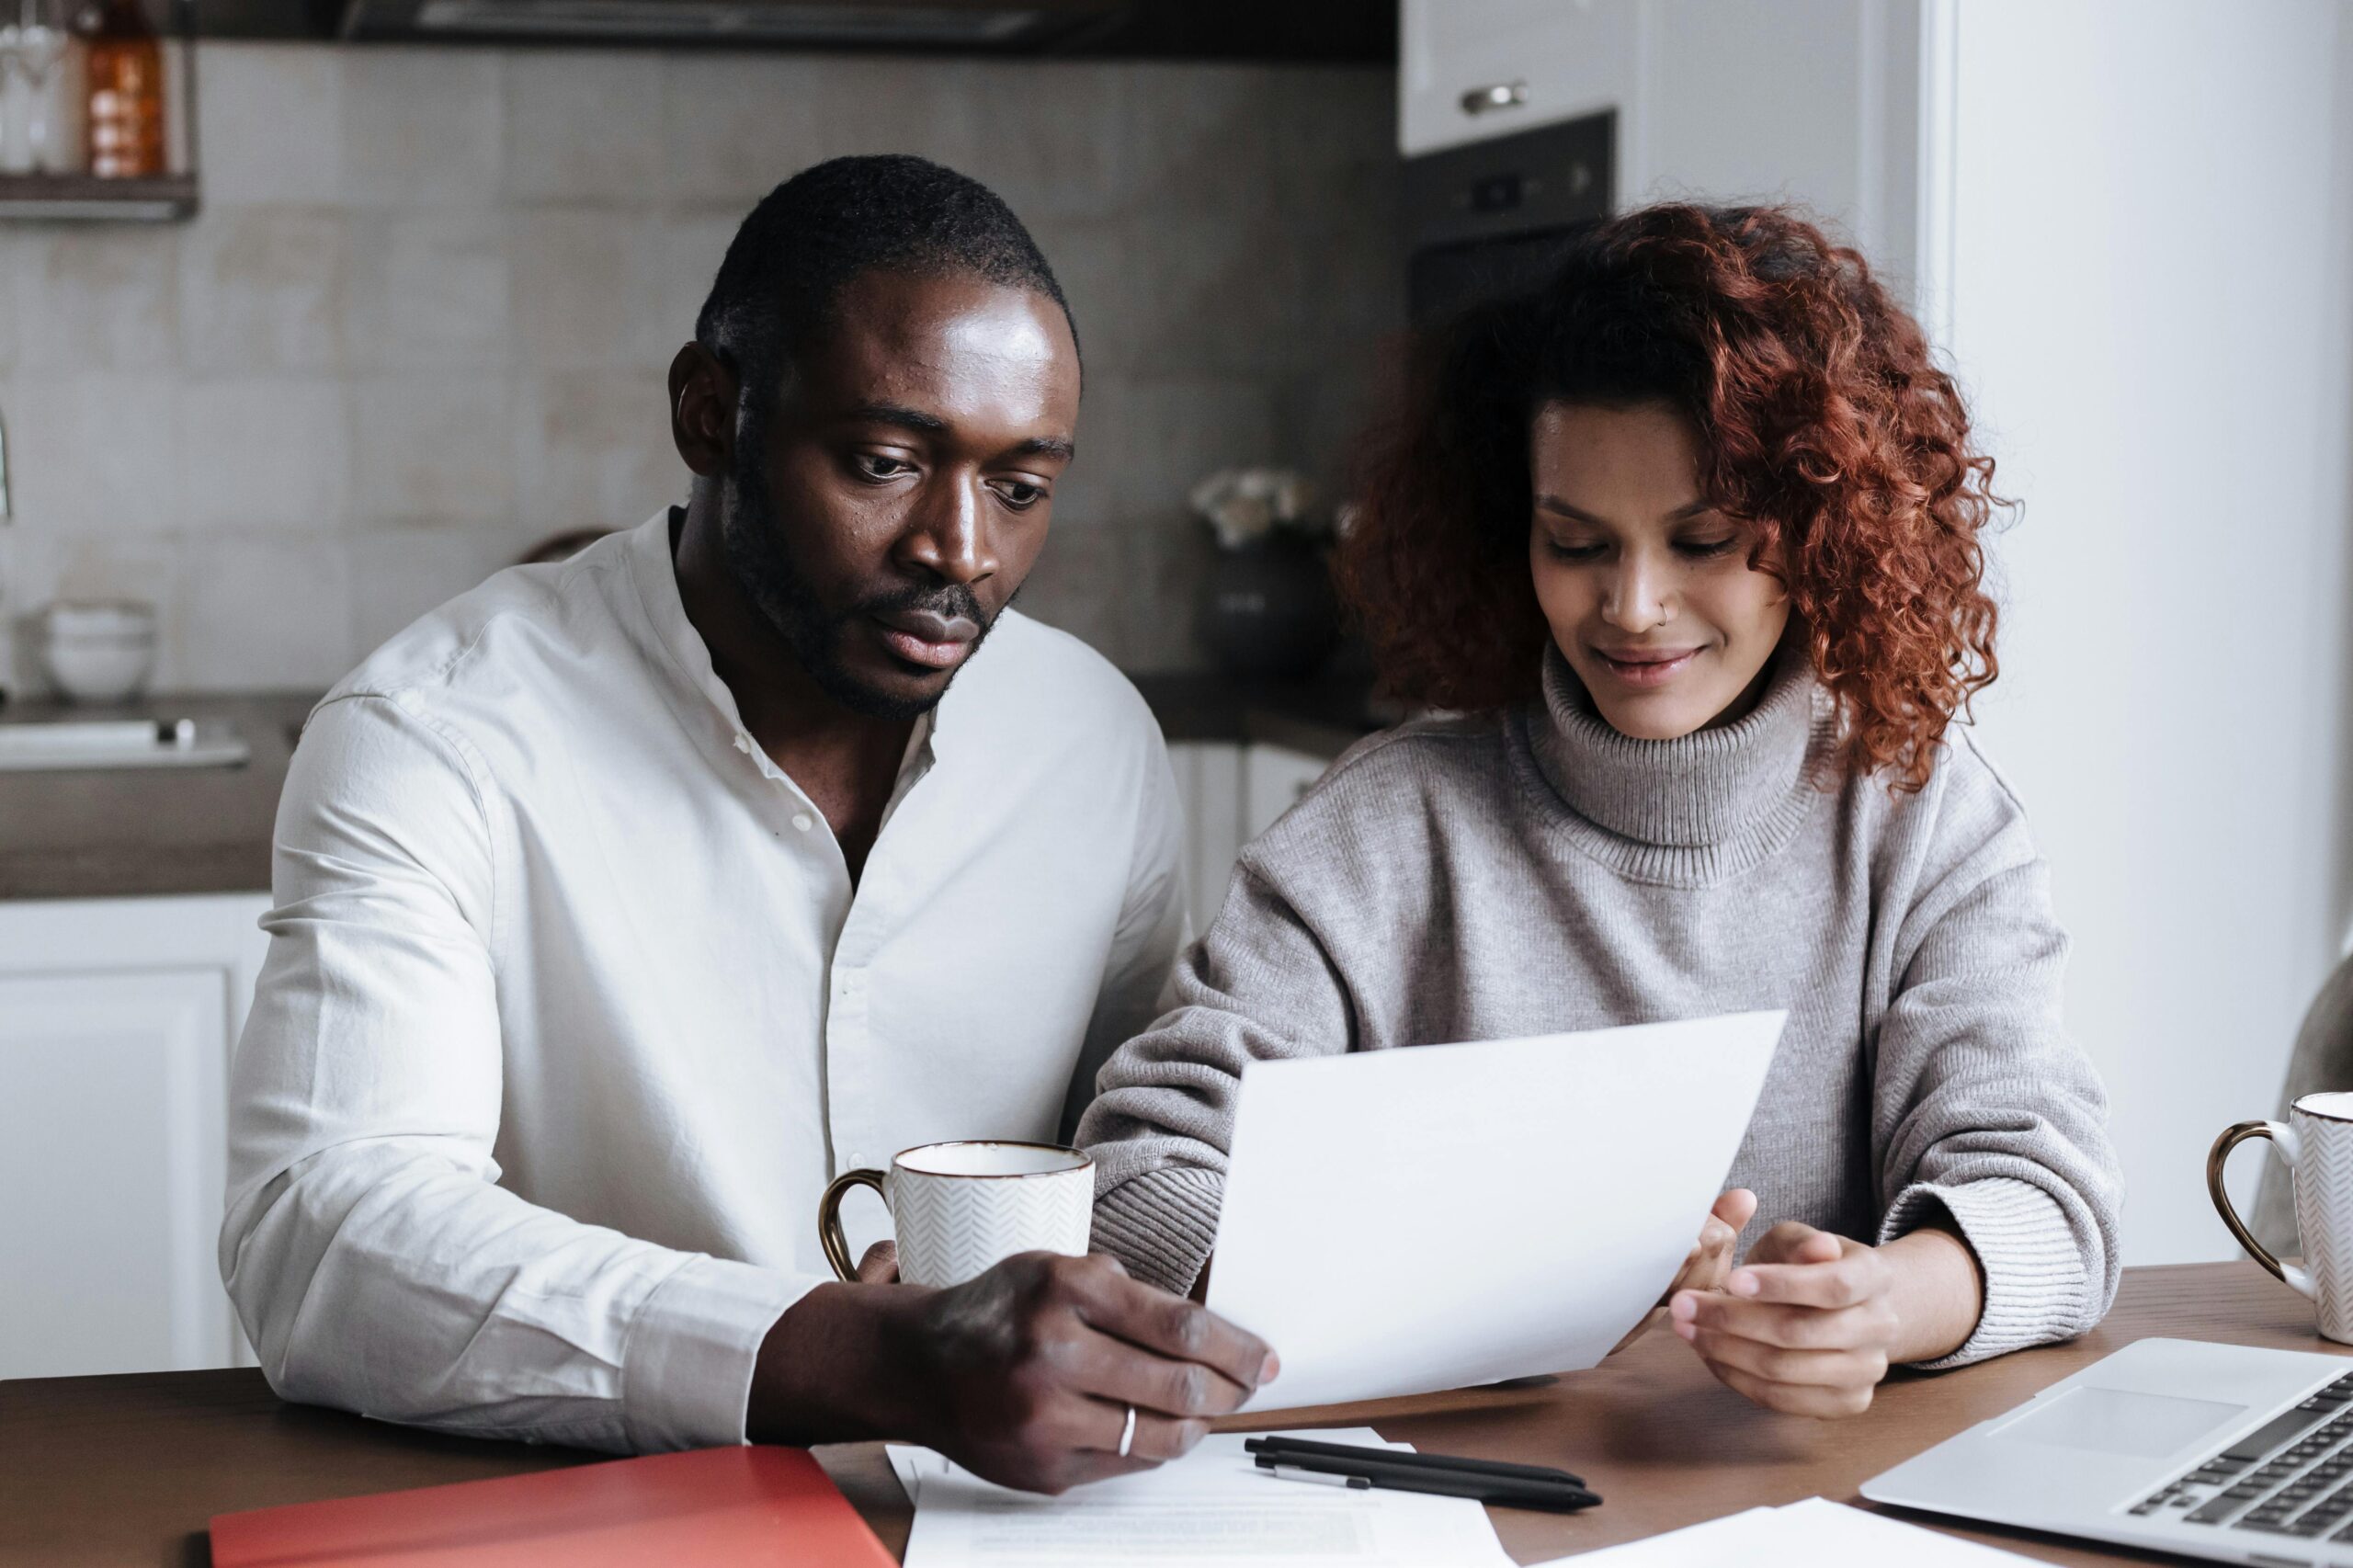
(571, 1009)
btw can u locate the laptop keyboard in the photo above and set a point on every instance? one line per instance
(2303, 1485)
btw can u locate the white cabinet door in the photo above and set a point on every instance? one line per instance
(1232, 794)
(116, 1021)
(1813, 101)
(1558, 58)
(1274, 780)
(111, 1163)
(1208, 778)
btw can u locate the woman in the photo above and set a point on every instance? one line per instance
(1691, 540)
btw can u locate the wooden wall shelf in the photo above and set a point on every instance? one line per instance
(163, 198)
(159, 199)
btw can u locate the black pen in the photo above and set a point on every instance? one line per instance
(1518, 1486)
(1536, 1473)
(1500, 1490)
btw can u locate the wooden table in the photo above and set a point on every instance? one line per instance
(127, 1470)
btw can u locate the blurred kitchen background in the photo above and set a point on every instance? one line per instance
(378, 295)
(422, 315)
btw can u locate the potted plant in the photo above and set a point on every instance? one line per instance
(1267, 607)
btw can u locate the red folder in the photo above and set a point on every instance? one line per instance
(740, 1507)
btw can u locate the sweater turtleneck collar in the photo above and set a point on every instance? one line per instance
(1710, 803)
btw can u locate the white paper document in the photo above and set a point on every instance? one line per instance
(1397, 1222)
(1214, 1508)
(911, 1464)
(1816, 1533)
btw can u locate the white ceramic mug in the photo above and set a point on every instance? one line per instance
(2317, 1143)
(957, 1210)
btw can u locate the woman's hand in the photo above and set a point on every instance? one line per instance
(1710, 1260)
(1804, 1327)
(1812, 1321)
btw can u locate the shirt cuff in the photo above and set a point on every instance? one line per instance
(1161, 1225)
(686, 1373)
(2033, 1268)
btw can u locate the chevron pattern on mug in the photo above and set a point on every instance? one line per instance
(2324, 1125)
(960, 1209)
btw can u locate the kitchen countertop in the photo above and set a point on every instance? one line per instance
(136, 834)
(141, 833)
(1324, 716)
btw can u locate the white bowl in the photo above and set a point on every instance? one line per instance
(100, 621)
(99, 653)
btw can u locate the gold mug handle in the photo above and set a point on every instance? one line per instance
(829, 1218)
(2285, 1140)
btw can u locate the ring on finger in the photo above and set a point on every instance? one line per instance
(1128, 1433)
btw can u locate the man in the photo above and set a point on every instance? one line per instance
(621, 901)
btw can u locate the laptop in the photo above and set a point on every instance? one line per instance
(2220, 1452)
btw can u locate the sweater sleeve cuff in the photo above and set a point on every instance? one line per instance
(2032, 1265)
(1163, 1224)
(686, 1373)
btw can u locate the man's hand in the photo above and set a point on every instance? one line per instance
(1023, 1376)
(1038, 1361)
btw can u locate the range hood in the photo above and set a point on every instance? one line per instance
(1295, 31)
(963, 26)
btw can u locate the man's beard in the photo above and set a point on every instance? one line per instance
(754, 540)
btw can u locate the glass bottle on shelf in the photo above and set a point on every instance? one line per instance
(45, 62)
(123, 68)
(15, 152)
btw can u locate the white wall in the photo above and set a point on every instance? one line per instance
(2147, 285)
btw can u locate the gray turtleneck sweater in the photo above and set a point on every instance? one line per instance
(1536, 871)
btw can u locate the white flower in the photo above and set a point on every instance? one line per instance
(1242, 504)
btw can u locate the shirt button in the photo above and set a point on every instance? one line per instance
(805, 822)
(744, 745)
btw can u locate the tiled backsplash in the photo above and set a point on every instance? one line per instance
(423, 319)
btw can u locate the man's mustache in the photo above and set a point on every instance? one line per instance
(950, 601)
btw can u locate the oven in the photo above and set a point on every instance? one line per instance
(1487, 219)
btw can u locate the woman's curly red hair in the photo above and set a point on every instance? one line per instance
(1827, 426)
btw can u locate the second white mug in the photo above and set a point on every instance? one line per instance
(2318, 1143)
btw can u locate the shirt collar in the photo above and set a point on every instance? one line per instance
(654, 570)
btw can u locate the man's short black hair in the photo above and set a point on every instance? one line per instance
(838, 221)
